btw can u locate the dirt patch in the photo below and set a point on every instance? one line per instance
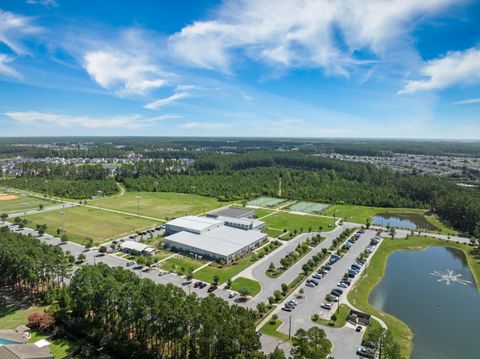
(7, 197)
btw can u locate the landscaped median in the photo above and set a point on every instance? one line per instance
(337, 320)
(245, 284)
(373, 274)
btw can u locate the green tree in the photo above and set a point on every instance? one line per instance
(310, 344)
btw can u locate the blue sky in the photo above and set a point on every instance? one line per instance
(277, 68)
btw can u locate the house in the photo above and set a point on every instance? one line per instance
(359, 318)
(25, 351)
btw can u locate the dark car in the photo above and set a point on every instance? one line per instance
(202, 285)
(212, 288)
(196, 285)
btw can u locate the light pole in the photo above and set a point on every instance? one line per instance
(289, 327)
(63, 221)
(193, 197)
(138, 205)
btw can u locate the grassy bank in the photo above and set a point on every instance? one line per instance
(358, 296)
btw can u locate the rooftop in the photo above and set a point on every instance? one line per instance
(194, 223)
(134, 246)
(233, 212)
(224, 240)
(24, 351)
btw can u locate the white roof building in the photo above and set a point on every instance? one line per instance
(192, 224)
(139, 247)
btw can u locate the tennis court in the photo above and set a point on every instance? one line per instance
(309, 207)
(266, 202)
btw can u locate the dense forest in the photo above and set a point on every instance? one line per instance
(28, 266)
(297, 176)
(59, 187)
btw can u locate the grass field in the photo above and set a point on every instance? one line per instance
(12, 315)
(20, 203)
(59, 347)
(182, 265)
(301, 223)
(270, 328)
(358, 296)
(341, 317)
(259, 213)
(251, 285)
(82, 222)
(161, 205)
(224, 273)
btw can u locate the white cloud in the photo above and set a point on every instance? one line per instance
(13, 28)
(5, 69)
(166, 101)
(299, 33)
(68, 121)
(52, 3)
(122, 72)
(467, 101)
(204, 125)
(456, 68)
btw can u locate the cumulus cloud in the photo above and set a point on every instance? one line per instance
(166, 101)
(69, 121)
(298, 33)
(456, 68)
(5, 69)
(123, 73)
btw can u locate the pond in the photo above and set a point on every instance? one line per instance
(403, 220)
(433, 292)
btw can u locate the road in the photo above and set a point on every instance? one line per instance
(269, 285)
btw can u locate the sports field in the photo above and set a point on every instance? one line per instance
(266, 202)
(163, 205)
(309, 207)
(301, 223)
(13, 202)
(359, 214)
(82, 222)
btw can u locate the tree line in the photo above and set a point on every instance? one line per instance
(28, 266)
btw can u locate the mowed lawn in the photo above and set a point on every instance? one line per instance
(301, 223)
(163, 205)
(224, 273)
(20, 203)
(82, 222)
(252, 286)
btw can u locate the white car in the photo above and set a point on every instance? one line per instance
(232, 294)
(342, 285)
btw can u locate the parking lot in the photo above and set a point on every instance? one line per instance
(346, 340)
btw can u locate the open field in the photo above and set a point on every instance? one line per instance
(270, 328)
(260, 212)
(300, 223)
(358, 296)
(13, 202)
(224, 273)
(163, 205)
(82, 222)
(251, 285)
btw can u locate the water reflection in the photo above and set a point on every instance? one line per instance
(403, 220)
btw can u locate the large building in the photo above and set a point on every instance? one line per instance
(233, 212)
(223, 238)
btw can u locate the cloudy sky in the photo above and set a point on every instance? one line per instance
(289, 68)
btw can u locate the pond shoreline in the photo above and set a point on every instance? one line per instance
(359, 295)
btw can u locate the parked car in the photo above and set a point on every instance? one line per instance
(310, 284)
(202, 285)
(342, 285)
(212, 288)
(196, 285)
(326, 306)
(358, 328)
(130, 264)
(232, 294)
(317, 276)
(287, 309)
(365, 352)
